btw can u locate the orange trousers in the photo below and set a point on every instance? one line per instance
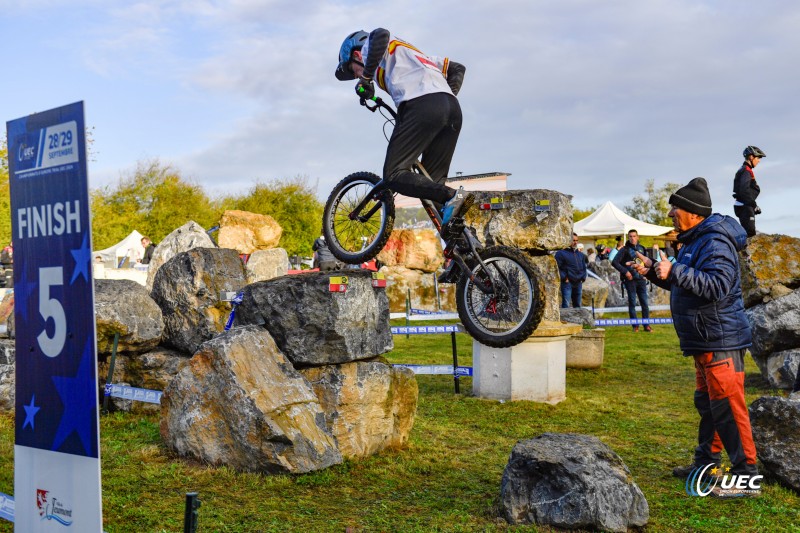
(724, 418)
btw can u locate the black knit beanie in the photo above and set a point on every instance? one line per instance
(693, 198)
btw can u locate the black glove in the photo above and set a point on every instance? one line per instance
(757, 210)
(365, 88)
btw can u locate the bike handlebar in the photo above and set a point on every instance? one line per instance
(379, 103)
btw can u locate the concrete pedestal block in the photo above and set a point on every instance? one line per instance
(533, 370)
(585, 349)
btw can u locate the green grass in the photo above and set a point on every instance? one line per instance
(448, 478)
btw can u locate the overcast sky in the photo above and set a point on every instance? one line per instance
(590, 98)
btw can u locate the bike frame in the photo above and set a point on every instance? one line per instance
(382, 188)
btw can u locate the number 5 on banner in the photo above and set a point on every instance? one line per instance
(51, 308)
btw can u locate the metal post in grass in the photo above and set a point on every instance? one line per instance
(110, 376)
(593, 307)
(408, 309)
(190, 512)
(436, 289)
(455, 362)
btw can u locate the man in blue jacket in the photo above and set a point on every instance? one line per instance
(635, 285)
(708, 314)
(572, 270)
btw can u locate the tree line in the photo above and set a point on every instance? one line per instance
(155, 199)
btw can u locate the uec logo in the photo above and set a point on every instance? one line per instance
(26, 153)
(700, 484)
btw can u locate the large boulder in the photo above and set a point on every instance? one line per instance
(188, 287)
(314, 325)
(770, 264)
(418, 249)
(775, 325)
(247, 232)
(546, 269)
(190, 235)
(423, 286)
(240, 403)
(776, 432)
(537, 219)
(7, 375)
(570, 481)
(609, 274)
(369, 405)
(267, 264)
(578, 315)
(595, 293)
(779, 369)
(125, 307)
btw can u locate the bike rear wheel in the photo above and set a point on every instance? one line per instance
(349, 239)
(509, 313)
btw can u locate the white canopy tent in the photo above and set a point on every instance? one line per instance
(609, 221)
(130, 247)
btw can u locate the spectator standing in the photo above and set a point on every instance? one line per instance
(635, 285)
(572, 271)
(709, 318)
(149, 247)
(617, 247)
(7, 256)
(591, 255)
(325, 260)
(746, 190)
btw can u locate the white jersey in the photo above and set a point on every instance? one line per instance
(405, 72)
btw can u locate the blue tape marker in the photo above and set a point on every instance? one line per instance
(6, 507)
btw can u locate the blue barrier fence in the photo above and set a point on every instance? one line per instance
(630, 321)
(6, 507)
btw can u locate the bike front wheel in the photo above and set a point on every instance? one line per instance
(357, 238)
(509, 312)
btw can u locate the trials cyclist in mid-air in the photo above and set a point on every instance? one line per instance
(423, 88)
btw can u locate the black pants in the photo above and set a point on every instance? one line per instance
(429, 126)
(747, 218)
(637, 287)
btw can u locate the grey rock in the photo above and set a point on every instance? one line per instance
(125, 307)
(546, 269)
(190, 235)
(595, 292)
(240, 403)
(775, 325)
(187, 288)
(770, 264)
(570, 481)
(520, 224)
(577, 316)
(7, 375)
(267, 264)
(314, 326)
(779, 369)
(776, 432)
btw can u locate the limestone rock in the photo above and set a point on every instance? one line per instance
(769, 260)
(267, 264)
(595, 293)
(577, 316)
(7, 375)
(125, 307)
(190, 235)
(314, 326)
(776, 432)
(572, 482)
(609, 274)
(546, 270)
(240, 403)
(369, 405)
(187, 288)
(400, 279)
(775, 325)
(247, 232)
(7, 307)
(780, 368)
(524, 223)
(413, 249)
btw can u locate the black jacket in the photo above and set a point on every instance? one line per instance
(627, 254)
(745, 188)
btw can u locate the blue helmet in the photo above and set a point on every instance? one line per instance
(353, 42)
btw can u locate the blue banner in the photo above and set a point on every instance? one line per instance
(630, 321)
(6, 507)
(57, 438)
(421, 330)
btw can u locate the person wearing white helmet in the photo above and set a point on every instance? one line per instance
(424, 89)
(746, 190)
